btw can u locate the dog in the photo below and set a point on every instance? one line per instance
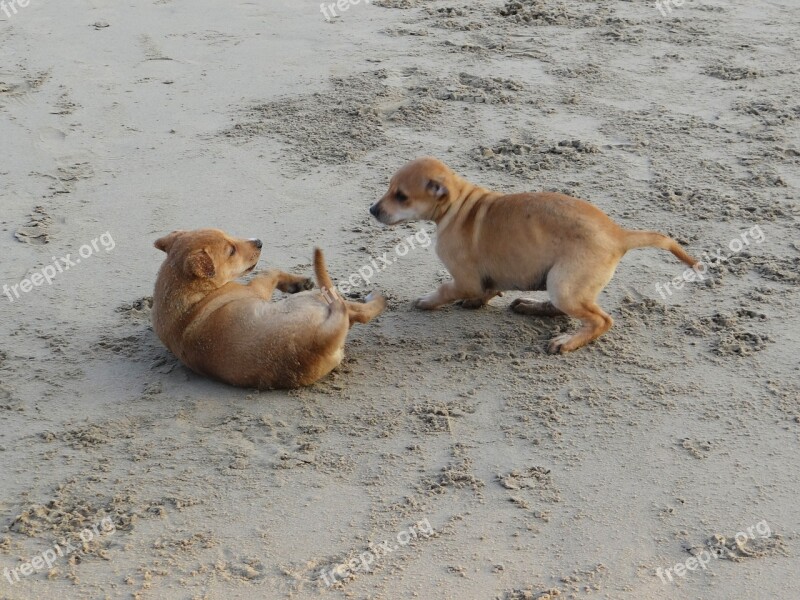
(231, 331)
(491, 242)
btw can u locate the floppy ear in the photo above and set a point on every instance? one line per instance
(165, 243)
(200, 265)
(436, 189)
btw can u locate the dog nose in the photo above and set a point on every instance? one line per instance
(374, 210)
(257, 243)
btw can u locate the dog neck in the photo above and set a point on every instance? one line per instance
(462, 194)
(175, 297)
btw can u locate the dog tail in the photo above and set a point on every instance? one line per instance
(325, 284)
(647, 239)
(321, 272)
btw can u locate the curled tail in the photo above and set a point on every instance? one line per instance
(644, 239)
(326, 285)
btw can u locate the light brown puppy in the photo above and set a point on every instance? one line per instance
(492, 242)
(232, 331)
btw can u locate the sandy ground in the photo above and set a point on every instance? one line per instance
(522, 475)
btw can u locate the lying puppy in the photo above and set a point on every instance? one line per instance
(231, 331)
(492, 242)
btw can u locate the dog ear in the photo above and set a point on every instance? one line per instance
(200, 265)
(165, 243)
(436, 189)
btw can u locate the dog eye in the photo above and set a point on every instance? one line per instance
(233, 250)
(400, 196)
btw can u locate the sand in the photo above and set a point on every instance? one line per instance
(488, 468)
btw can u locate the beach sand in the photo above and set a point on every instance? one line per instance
(523, 475)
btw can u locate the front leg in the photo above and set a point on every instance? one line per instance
(447, 293)
(265, 283)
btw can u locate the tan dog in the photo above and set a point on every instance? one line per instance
(492, 242)
(231, 331)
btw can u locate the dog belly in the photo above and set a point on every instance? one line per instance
(534, 283)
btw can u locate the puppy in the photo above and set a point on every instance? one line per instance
(492, 242)
(231, 331)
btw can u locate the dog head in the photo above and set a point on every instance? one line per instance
(418, 191)
(210, 254)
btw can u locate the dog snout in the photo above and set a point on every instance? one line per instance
(257, 243)
(375, 210)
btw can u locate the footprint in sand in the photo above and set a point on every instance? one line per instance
(50, 138)
(37, 230)
(19, 89)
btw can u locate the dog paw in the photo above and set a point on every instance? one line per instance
(426, 303)
(473, 303)
(298, 286)
(559, 344)
(378, 299)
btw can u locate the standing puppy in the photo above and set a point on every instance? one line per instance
(492, 242)
(233, 331)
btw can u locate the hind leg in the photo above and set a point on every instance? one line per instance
(595, 322)
(573, 289)
(365, 312)
(328, 344)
